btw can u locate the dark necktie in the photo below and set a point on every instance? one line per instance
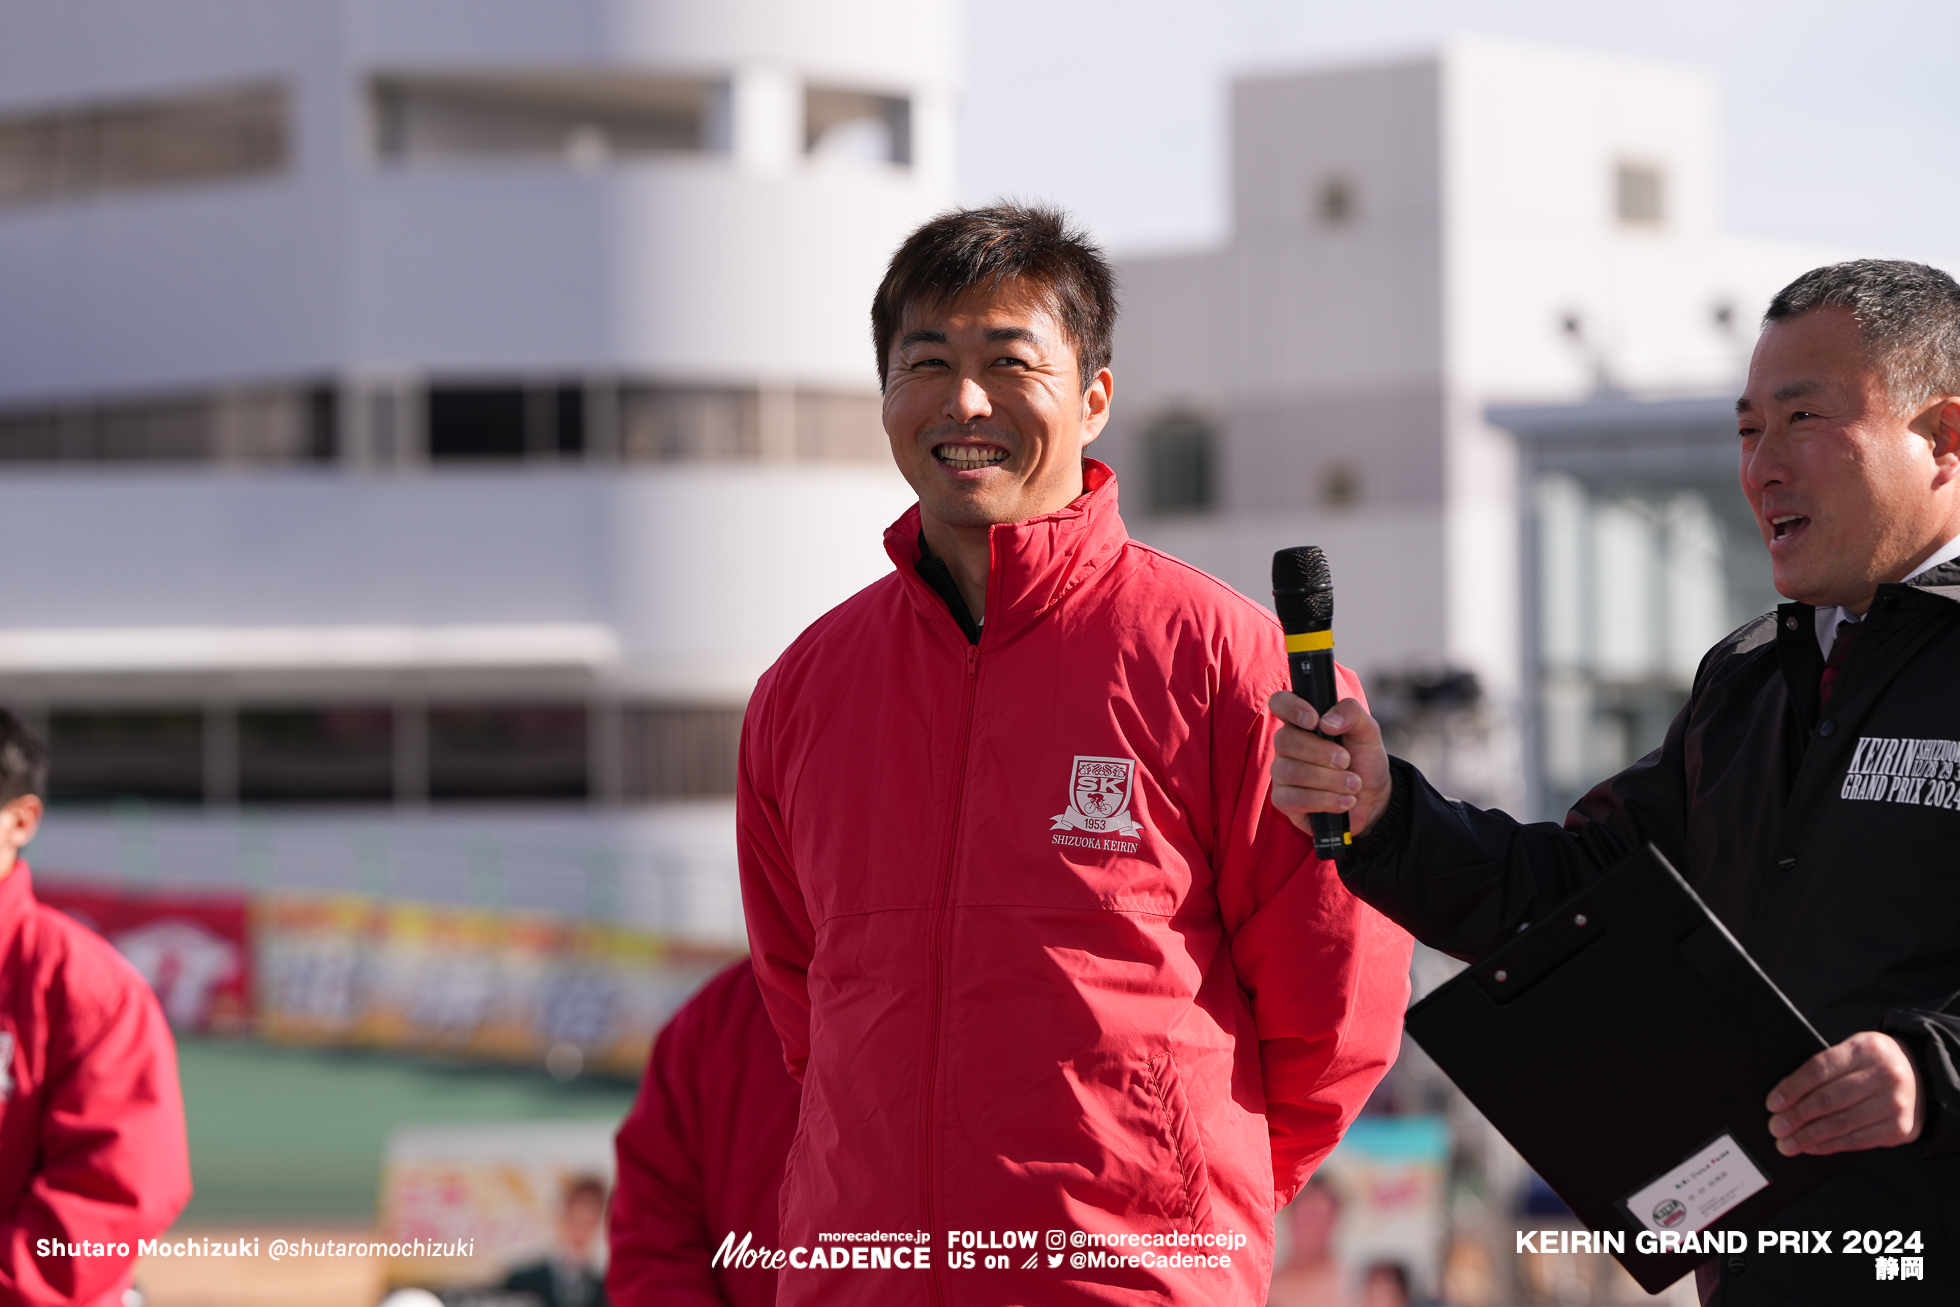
(1846, 633)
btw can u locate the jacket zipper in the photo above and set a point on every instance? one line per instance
(941, 925)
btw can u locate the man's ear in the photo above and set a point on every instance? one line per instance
(19, 821)
(1942, 427)
(1095, 404)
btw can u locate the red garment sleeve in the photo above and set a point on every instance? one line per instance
(659, 1237)
(115, 1164)
(1327, 975)
(781, 938)
(701, 1155)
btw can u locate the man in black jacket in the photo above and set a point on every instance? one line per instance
(1809, 790)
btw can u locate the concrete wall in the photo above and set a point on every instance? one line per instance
(753, 263)
(677, 583)
(1480, 214)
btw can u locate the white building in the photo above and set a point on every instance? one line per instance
(408, 404)
(1425, 253)
(421, 420)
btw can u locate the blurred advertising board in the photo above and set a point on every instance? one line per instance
(576, 996)
(470, 1206)
(195, 950)
(416, 977)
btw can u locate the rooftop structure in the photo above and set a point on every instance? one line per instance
(1414, 241)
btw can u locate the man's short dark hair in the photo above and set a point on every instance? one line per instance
(23, 761)
(1907, 314)
(968, 248)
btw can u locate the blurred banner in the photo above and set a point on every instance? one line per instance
(502, 1200)
(194, 950)
(414, 977)
(575, 996)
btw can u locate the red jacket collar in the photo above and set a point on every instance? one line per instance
(1032, 564)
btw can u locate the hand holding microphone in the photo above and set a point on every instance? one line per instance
(1326, 786)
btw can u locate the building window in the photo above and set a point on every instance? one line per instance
(1340, 485)
(679, 424)
(1640, 194)
(685, 423)
(207, 136)
(1632, 580)
(107, 754)
(857, 126)
(339, 754)
(505, 421)
(275, 425)
(511, 419)
(384, 754)
(839, 427)
(1335, 201)
(1178, 451)
(679, 752)
(585, 119)
(508, 751)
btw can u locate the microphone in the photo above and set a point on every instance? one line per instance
(1303, 596)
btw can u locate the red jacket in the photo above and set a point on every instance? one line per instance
(92, 1147)
(1042, 953)
(701, 1154)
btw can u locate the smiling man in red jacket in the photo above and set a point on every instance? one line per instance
(92, 1150)
(1073, 1006)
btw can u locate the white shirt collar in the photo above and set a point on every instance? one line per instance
(1828, 618)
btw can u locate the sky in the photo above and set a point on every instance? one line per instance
(1842, 117)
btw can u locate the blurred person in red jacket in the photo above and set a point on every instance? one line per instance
(701, 1156)
(1074, 1008)
(92, 1150)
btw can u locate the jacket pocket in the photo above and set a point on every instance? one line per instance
(1181, 1137)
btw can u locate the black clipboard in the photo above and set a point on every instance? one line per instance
(1624, 1045)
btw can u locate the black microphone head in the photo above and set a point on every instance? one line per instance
(1303, 589)
(1301, 568)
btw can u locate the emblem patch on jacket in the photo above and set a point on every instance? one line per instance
(1099, 798)
(1922, 773)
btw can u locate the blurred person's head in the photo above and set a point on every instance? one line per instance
(23, 782)
(582, 1214)
(993, 330)
(411, 1297)
(1385, 1285)
(1850, 428)
(1311, 1220)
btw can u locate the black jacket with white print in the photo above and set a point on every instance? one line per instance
(1828, 843)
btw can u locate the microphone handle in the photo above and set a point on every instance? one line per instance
(1313, 680)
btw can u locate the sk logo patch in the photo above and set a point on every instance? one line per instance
(1099, 798)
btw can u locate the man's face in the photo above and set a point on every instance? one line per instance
(1841, 482)
(579, 1223)
(985, 408)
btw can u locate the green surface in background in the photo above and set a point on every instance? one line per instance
(282, 1134)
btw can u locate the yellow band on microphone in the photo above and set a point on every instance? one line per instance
(1309, 641)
